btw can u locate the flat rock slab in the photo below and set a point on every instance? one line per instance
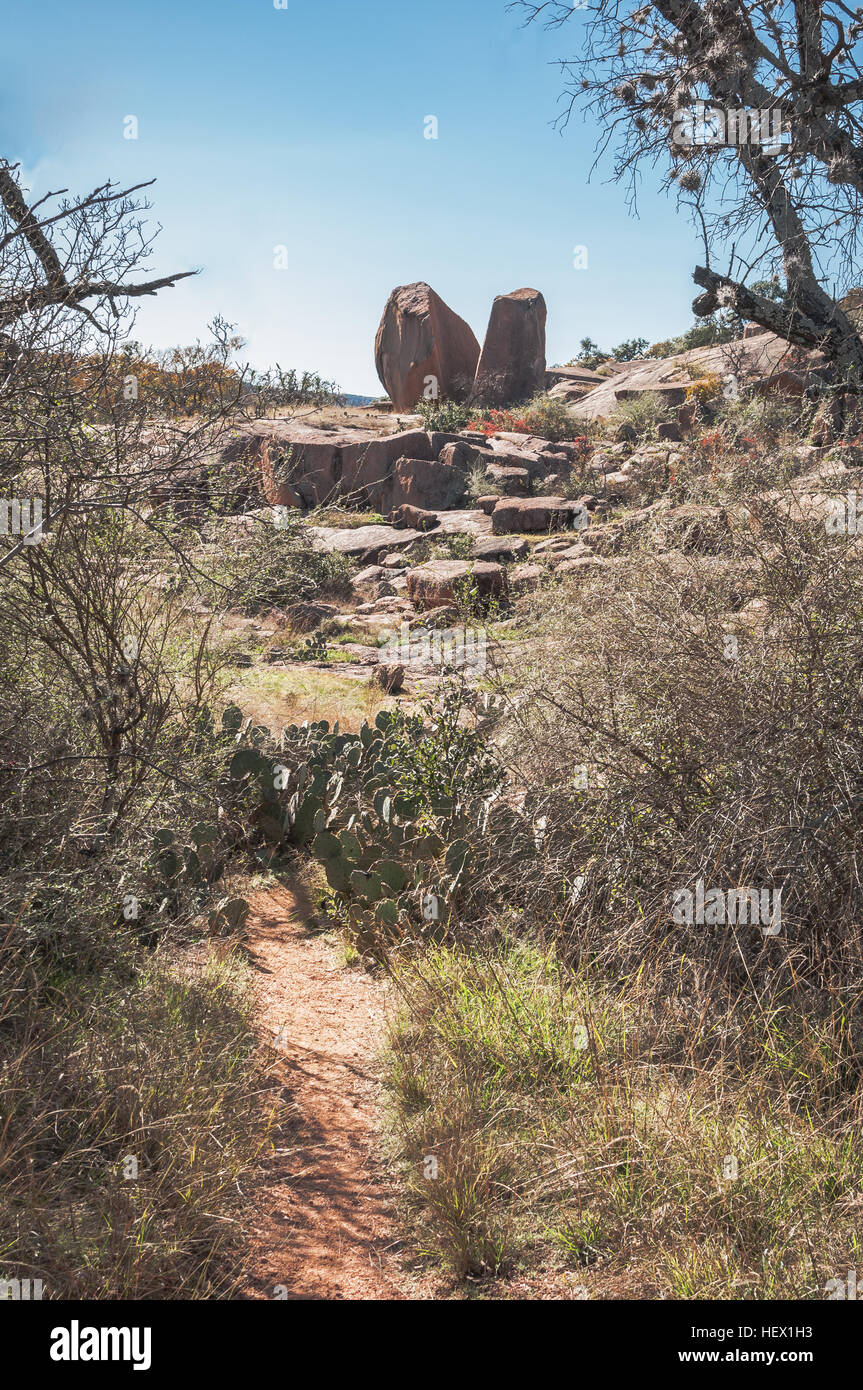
(583, 376)
(538, 461)
(366, 543)
(572, 552)
(499, 548)
(532, 514)
(464, 523)
(526, 576)
(360, 653)
(436, 582)
(372, 574)
(548, 549)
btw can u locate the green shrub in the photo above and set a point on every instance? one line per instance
(478, 485)
(643, 413)
(645, 755)
(764, 419)
(267, 566)
(741, 771)
(549, 418)
(444, 415)
(539, 1134)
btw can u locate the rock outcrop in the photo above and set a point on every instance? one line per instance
(512, 362)
(365, 543)
(419, 518)
(422, 346)
(764, 363)
(571, 383)
(512, 482)
(304, 466)
(499, 548)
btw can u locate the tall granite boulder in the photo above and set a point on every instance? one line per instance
(420, 341)
(512, 362)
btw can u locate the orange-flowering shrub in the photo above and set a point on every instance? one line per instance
(188, 381)
(498, 421)
(548, 419)
(712, 444)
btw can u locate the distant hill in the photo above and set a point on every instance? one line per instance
(347, 399)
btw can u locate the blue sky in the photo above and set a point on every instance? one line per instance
(304, 128)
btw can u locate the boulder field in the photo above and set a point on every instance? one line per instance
(423, 471)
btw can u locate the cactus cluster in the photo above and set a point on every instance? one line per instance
(340, 795)
(192, 866)
(381, 859)
(313, 649)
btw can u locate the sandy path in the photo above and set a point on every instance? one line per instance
(324, 1226)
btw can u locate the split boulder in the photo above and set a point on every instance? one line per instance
(512, 362)
(422, 347)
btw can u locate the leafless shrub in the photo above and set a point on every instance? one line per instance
(659, 742)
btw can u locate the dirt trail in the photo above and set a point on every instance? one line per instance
(324, 1226)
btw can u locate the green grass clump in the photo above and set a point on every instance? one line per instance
(561, 1149)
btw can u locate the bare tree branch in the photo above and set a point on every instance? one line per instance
(56, 287)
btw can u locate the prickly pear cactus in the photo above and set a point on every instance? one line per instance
(389, 840)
